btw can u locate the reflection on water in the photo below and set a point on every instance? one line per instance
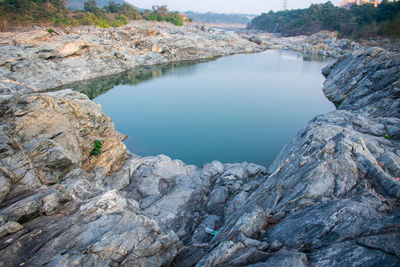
(96, 87)
(234, 109)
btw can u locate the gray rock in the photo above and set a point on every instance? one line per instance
(286, 259)
(217, 197)
(254, 222)
(5, 186)
(236, 170)
(222, 254)
(331, 197)
(275, 246)
(200, 235)
(10, 228)
(332, 190)
(385, 242)
(348, 253)
(52, 203)
(23, 210)
(88, 52)
(212, 169)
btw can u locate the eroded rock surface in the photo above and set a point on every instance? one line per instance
(62, 206)
(37, 60)
(321, 44)
(330, 198)
(334, 186)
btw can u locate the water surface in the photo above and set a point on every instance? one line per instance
(234, 109)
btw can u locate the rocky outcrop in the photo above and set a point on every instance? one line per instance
(321, 44)
(334, 187)
(37, 60)
(366, 81)
(61, 205)
(330, 198)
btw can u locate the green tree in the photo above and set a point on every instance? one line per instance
(113, 7)
(360, 21)
(91, 6)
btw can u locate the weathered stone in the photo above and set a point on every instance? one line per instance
(286, 259)
(335, 181)
(217, 197)
(331, 198)
(23, 210)
(275, 246)
(321, 44)
(222, 254)
(5, 186)
(88, 52)
(74, 48)
(10, 228)
(52, 203)
(254, 222)
(200, 235)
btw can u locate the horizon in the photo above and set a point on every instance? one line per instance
(254, 7)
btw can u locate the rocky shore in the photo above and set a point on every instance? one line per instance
(330, 198)
(321, 44)
(37, 60)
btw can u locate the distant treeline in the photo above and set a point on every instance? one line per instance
(219, 18)
(79, 4)
(357, 22)
(48, 13)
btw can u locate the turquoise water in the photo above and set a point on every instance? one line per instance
(234, 109)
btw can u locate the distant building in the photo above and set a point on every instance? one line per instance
(349, 3)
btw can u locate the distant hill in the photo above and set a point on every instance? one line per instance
(78, 4)
(359, 21)
(219, 18)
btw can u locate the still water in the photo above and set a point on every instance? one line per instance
(234, 109)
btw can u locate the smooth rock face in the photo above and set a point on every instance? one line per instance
(37, 60)
(331, 197)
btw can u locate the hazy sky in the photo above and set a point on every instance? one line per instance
(227, 6)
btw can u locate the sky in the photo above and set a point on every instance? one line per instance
(227, 6)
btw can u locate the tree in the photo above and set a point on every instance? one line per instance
(91, 6)
(113, 7)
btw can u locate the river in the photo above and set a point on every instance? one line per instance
(233, 109)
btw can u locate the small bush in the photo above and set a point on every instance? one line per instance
(389, 137)
(96, 151)
(51, 30)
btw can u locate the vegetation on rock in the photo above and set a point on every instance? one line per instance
(161, 13)
(356, 22)
(53, 13)
(96, 151)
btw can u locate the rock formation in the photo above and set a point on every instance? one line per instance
(330, 198)
(321, 44)
(40, 60)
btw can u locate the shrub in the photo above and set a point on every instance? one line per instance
(115, 24)
(96, 151)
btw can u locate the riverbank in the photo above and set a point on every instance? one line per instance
(330, 198)
(321, 44)
(37, 60)
(41, 60)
